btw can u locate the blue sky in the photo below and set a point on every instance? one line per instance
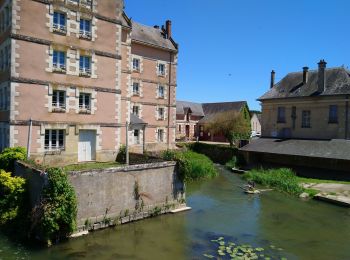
(229, 47)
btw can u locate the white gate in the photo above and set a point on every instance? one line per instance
(87, 146)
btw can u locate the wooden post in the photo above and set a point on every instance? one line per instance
(127, 143)
(29, 142)
(144, 140)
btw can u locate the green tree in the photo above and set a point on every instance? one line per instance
(10, 155)
(233, 125)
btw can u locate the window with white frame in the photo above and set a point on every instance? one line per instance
(136, 64)
(136, 88)
(59, 99)
(59, 61)
(85, 102)
(160, 135)
(85, 29)
(59, 22)
(85, 66)
(54, 139)
(161, 113)
(136, 110)
(161, 91)
(161, 69)
(136, 136)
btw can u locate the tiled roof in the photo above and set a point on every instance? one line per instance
(151, 35)
(211, 109)
(337, 83)
(182, 106)
(333, 149)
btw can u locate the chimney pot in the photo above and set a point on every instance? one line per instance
(273, 74)
(305, 74)
(168, 29)
(321, 76)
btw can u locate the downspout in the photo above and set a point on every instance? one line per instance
(169, 102)
(347, 117)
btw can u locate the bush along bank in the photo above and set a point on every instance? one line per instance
(51, 220)
(284, 180)
(217, 153)
(192, 165)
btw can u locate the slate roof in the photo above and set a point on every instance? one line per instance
(151, 35)
(183, 106)
(211, 109)
(135, 120)
(330, 149)
(337, 83)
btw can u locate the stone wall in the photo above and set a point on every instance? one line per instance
(117, 195)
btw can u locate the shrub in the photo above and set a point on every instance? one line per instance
(282, 179)
(232, 163)
(12, 191)
(55, 218)
(9, 156)
(192, 166)
(121, 157)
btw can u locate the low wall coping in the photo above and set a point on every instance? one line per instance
(126, 168)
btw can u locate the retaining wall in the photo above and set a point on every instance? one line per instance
(116, 195)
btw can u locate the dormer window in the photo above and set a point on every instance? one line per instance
(85, 29)
(59, 23)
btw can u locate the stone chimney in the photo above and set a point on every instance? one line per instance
(321, 76)
(273, 73)
(305, 74)
(168, 29)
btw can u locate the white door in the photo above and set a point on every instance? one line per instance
(87, 146)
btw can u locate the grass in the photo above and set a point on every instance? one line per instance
(310, 180)
(282, 179)
(91, 166)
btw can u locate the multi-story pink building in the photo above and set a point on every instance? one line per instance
(79, 69)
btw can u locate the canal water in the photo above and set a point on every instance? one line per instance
(283, 225)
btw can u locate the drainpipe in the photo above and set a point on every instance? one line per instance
(169, 102)
(346, 117)
(29, 142)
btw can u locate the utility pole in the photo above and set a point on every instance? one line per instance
(29, 142)
(127, 142)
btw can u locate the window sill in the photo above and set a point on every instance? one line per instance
(58, 110)
(59, 71)
(85, 37)
(60, 32)
(136, 70)
(161, 75)
(84, 74)
(136, 94)
(85, 111)
(54, 151)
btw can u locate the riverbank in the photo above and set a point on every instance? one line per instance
(219, 209)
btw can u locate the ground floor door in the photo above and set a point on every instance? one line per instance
(187, 131)
(87, 146)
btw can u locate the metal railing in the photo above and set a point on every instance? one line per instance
(84, 34)
(59, 28)
(85, 72)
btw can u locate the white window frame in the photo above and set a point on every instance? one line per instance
(85, 34)
(159, 92)
(138, 67)
(160, 135)
(58, 27)
(85, 105)
(57, 133)
(161, 72)
(56, 104)
(137, 108)
(161, 116)
(136, 93)
(85, 70)
(58, 66)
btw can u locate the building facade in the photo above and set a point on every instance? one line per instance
(67, 68)
(192, 119)
(308, 105)
(305, 124)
